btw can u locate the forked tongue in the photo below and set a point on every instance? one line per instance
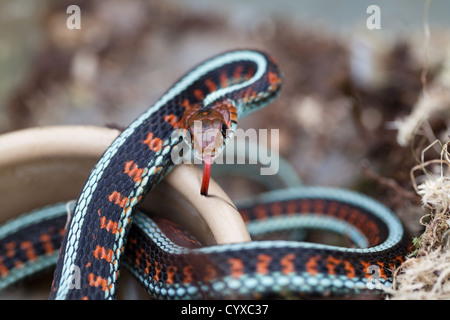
(207, 162)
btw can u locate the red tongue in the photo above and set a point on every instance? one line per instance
(206, 175)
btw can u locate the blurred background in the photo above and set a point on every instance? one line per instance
(344, 84)
(347, 88)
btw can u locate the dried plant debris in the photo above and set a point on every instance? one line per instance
(425, 277)
(426, 273)
(433, 103)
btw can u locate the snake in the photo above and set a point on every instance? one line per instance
(172, 264)
(206, 104)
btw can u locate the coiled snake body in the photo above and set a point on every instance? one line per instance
(223, 89)
(140, 157)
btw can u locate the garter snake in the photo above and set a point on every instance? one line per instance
(171, 264)
(225, 89)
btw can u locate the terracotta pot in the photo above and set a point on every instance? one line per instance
(41, 166)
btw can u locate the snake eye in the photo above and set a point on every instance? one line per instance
(224, 129)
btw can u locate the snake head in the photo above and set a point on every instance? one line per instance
(209, 129)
